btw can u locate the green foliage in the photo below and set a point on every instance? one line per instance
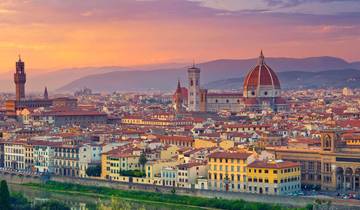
(94, 171)
(218, 203)
(142, 160)
(132, 173)
(4, 196)
(19, 202)
(117, 204)
(51, 205)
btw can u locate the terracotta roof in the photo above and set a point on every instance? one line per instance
(230, 155)
(260, 75)
(273, 164)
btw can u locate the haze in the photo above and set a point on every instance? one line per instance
(55, 34)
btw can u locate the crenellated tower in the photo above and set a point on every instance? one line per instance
(20, 79)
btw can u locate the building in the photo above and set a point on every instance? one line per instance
(335, 165)
(169, 176)
(90, 155)
(14, 155)
(194, 89)
(274, 177)
(262, 89)
(117, 160)
(43, 156)
(227, 171)
(20, 80)
(66, 158)
(2, 152)
(67, 117)
(180, 98)
(20, 102)
(188, 174)
(29, 157)
(261, 92)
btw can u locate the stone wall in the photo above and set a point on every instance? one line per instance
(16, 179)
(283, 200)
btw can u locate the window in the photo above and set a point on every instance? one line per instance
(275, 171)
(266, 171)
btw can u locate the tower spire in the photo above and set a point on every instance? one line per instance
(261, 58)
(46, 95)
(178, 86)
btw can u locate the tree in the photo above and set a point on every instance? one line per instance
(94, 171)
(51, 205)
(4, 196)
(117, 204)
(142, 161)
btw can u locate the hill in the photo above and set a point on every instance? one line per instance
(165, 79)
(300, 79)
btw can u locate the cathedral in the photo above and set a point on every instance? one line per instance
(261, 92)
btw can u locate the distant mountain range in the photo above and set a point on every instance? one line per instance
(301, 79)
(214, 73)
(164, 76)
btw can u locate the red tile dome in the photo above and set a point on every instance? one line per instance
(261, 76)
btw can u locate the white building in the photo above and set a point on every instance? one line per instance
(14, 155)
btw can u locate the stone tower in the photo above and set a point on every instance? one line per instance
(20, 79)
(194, 89)
(178, 100)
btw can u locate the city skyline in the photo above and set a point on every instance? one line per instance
(60, 34)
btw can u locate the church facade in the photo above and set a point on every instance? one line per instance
(261, 92)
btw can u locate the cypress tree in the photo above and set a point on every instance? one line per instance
(4, 196)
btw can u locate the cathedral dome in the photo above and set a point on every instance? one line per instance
(261, 81)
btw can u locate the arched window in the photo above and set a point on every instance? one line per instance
(191, 83)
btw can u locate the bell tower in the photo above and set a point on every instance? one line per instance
(20, 79)
(330, 140)
(194, 89)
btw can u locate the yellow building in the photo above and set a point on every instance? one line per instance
(226, 144)
(153, 168)
(333, 166)
(227, 171)
(273, 177)
(115, 161)
(205, 143)
(168, 152)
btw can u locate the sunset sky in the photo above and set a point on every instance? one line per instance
(53, 34)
